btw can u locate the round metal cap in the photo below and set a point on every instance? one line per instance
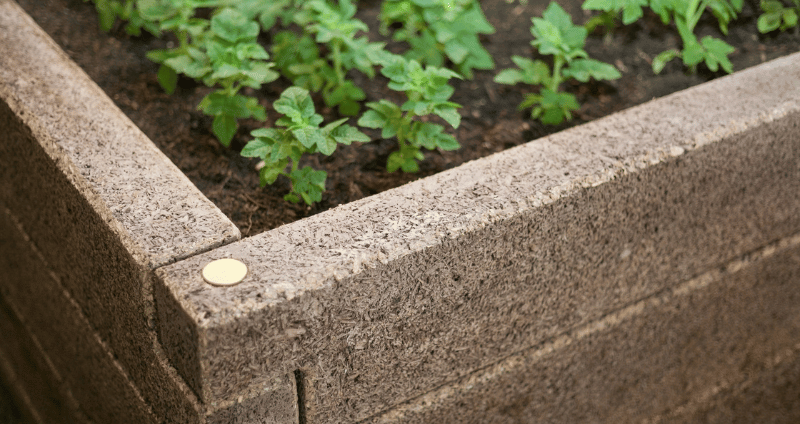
(225, 272)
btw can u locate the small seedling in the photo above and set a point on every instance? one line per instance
(428, 93)
(335, 27)
(554, 34)
(778, 16)
(223, 53)
(631, 11)
(436, 29)
(300, 134)
(686, 14)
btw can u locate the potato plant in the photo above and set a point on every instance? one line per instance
(299, 133)
(439, 29)
(778, 16)
(427, 92)
(686, 14)
(555, 35)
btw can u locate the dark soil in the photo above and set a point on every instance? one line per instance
(491, 122)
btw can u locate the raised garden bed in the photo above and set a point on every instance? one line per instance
(404, 303)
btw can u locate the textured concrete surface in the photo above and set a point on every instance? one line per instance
(101, 206)
(677, 356)
(35, 393)
(381, 300)
(83, 364)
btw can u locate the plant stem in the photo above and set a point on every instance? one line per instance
(555, 81)
(337, 61)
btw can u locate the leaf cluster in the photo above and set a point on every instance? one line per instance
(439, 29)
(222, 53)
(555, 35)
(298, 133)
(686, 14)
(778, 16)
(300, 59)
(428, 93)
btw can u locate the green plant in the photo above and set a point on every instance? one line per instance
(427, 92)
(554, 34)
(335, 27)
(222, 52)
(436, 29)
(778, 16)
(631, 11)
(109, 11)
(225, 54)
(300, 134)
(686, 14)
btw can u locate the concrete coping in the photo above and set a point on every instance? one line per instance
(160, 215)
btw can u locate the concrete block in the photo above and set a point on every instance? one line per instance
(98, 201)
(33, 391)
(675, 356)
(58, 324)
(383, 299)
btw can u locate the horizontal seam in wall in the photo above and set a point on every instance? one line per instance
(81, 316)
(19, 393)
(733, 388)
(609, 320)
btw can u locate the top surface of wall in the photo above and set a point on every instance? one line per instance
(130, 183)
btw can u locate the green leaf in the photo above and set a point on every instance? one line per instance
(447, 142)
(716, 54)
(295, 102)
(257, 148)
(231, 25)
(269, 174)
(327, 146)
(185, 64)
(692, 54)
(555, 34)
(167, 78)
(556, 15)
(449, 114)
(661, 60)
(309, 136)
(456, 51)
(509, 76)
(372, 119)
(347, 134)
(308, 183)
(224, 127)
(769, 21)
(267, 133)
(583, 69)
(237, 106)
(397, 161)
(604, 5)
(251, 51)
(554, 107)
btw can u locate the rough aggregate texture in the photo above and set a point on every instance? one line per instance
(99, 202)
(57, 322)
(27, 374)
(123, 175)
(678, 356)
(384, 299)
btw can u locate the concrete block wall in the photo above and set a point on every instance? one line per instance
(641, 268)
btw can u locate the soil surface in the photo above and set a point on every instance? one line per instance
(491, 121)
